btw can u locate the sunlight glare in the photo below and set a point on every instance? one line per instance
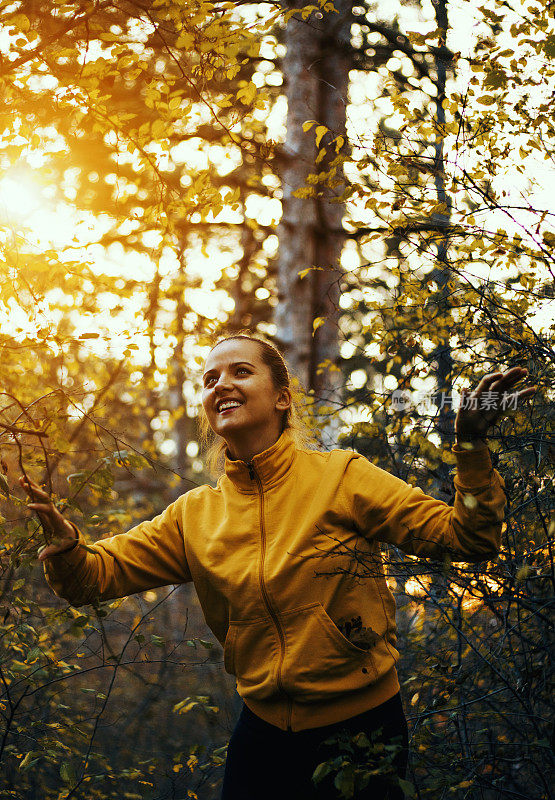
(19, 198)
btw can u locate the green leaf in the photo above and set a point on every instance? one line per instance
(321, 771)
(549, 46)
(67, 773)
(523, 572)
(25, 761)
(407, 787)
(495, 79)
(345, 782)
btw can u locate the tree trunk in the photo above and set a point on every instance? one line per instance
(316, 70)
(442, 354)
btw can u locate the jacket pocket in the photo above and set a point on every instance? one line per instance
(251, 653)
(320, 662)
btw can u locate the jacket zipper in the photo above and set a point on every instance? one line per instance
(254, 476)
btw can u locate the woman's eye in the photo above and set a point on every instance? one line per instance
(243, 369)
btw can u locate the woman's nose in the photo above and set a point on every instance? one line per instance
(222, 383)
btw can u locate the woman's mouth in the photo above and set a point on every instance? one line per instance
(226, 406)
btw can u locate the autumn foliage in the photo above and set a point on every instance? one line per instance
(142, 159)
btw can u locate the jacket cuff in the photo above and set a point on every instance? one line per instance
(474, 467)
(68, 559)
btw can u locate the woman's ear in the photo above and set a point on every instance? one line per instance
(284, 399)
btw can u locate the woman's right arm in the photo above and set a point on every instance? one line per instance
(151, 554)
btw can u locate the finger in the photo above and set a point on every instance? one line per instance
(34, 490)
(43, 508)
(487, 382)
(26, 481)
(505, 387)
(509, 379)
(524, 394)
(513, 376)
(53, 549)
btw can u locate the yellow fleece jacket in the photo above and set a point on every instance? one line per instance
(283, 552)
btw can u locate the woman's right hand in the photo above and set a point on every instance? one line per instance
(57, 528)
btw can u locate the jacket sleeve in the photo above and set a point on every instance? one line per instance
(151, 554)
(390, 510)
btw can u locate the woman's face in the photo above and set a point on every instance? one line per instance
(239, 395)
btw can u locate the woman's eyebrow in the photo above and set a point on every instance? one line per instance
(233, 364)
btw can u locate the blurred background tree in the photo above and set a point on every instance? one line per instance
(366, 184)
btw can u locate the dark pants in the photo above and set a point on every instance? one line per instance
(267, 763)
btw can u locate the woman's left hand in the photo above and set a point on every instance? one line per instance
(491, 399)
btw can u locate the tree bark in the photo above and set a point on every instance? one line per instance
(442, 355)
(316, 70)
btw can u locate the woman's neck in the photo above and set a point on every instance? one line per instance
(246, 448)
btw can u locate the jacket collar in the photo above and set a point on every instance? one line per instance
(268, 467)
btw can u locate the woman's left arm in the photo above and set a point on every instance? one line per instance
(391, 510)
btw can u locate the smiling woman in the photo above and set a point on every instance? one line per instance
(247, 399)
(313, 650)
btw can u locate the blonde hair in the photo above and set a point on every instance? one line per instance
(292, 420)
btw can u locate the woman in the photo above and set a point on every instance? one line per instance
(271, 551)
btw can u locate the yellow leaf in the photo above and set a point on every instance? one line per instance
(317, 323)
(320, 155)
(304, 192)
(185, 41)
(246, 94)
(321, 131)
(21, 22)
(307, 11)
(308, 124)
(157, 128)
(287, 16)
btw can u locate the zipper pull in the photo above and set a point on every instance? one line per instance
(251, 470)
